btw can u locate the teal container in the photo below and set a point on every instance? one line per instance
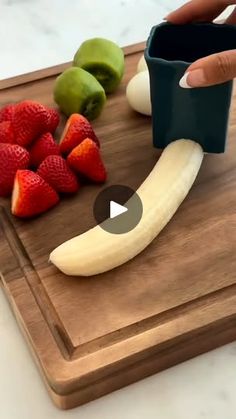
(198, 114)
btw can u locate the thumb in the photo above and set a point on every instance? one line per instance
(211, 70)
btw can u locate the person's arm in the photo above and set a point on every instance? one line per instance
(216, 68)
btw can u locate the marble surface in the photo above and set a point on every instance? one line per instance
(42, 33)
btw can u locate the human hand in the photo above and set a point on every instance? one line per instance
(216, 68)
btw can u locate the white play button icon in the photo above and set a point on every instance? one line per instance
(116, 209)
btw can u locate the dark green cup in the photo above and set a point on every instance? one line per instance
(198, 114)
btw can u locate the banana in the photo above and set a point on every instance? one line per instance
(142, 65)
(162, 192)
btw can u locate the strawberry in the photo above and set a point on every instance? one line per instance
(12, 158)
(29, 122)
(7, 113)
(6, 132)
(76, 130)
(53, 120)
(31, 195)
(86, 159)
(57, 173)
(41, 148)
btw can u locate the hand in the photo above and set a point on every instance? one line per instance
(217, 68)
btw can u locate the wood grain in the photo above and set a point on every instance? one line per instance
(175, 300)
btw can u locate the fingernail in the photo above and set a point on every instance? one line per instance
(195, 78)
(183, 82)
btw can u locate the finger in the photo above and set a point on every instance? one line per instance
(208, 71)
(198, 10)
(231, 20)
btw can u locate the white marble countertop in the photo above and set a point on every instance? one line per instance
(41, 33)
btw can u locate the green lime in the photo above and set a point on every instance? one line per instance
(77, 91)
(104, 59)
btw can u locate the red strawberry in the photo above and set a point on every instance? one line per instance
(31, 195)
(6, 132)
(86, 159)
(12, 158)
(76, 130)
(43, 147)
(7, 113)
(57, 173)
(29, 122)
(53, 120)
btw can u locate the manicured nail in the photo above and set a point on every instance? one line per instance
(183, 82)
(195, 78)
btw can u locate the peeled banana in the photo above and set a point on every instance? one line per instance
(162, 192)
(138, 93)
(142, 65)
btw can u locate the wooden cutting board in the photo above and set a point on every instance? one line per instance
(174, 301)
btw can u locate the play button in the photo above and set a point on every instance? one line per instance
(118, 209)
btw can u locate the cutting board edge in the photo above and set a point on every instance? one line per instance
(123, 354)
(223, 332)
(141, 370)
